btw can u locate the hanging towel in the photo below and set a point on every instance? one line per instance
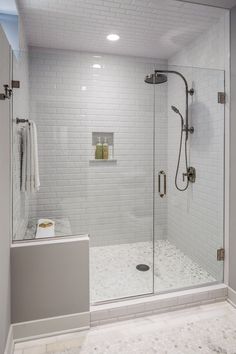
(29, 166)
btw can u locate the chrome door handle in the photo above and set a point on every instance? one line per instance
(161, 193)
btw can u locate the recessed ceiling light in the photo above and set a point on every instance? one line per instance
(113, 37)
(97, 66)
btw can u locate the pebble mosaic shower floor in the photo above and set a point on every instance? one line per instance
(114, 275)
(208, 329)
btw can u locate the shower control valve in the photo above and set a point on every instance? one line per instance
(190, 174)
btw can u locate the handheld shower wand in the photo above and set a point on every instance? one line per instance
(185, 127)
(178, 112)
(190, 171)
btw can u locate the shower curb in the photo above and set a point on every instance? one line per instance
(150, 305)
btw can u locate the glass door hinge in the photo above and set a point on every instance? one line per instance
(221, 97)
(15, 84)
(221, 254)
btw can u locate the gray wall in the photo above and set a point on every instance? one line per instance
(49, 279)
(232, 240)
(5, 194)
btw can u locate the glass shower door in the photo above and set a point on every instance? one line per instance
(189, 226)
(121, 256)
(111, 199)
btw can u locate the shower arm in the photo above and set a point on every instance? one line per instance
(187, 92)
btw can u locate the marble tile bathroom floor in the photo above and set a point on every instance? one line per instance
(206, 329)
(113, 272)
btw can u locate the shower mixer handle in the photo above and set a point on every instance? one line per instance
(190, 174)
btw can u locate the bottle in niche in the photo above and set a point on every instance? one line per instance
(99, 148)
(105, 150)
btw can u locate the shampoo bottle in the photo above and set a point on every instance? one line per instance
(99, 148)
(105, 149)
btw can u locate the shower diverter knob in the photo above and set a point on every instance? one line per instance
(190, 174)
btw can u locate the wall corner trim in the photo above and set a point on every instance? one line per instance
(232, 297)
(29, 330)
(9, 349)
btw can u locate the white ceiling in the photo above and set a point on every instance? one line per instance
(227, 4)
(8, 7)
(149, 28)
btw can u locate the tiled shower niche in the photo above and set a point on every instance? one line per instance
(109, 137)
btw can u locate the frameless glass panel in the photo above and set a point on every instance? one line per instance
(121, 191)
(79, 101)
(192, 220)
(20, 200)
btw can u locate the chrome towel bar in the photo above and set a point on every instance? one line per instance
(18, 120)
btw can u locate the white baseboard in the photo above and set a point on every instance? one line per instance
(117, 311)
(10, 342)
(29, 330)
(232, 297)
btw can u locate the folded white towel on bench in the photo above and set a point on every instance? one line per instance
(45, 228)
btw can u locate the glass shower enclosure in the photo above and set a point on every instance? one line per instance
(146, 236)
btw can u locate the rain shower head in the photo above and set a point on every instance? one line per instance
(155, 79)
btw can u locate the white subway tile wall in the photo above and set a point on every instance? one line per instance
(72, 95)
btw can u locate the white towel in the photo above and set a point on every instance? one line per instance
(44, 230)
(29, 168)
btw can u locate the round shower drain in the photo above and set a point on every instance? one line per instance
(142, 267)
